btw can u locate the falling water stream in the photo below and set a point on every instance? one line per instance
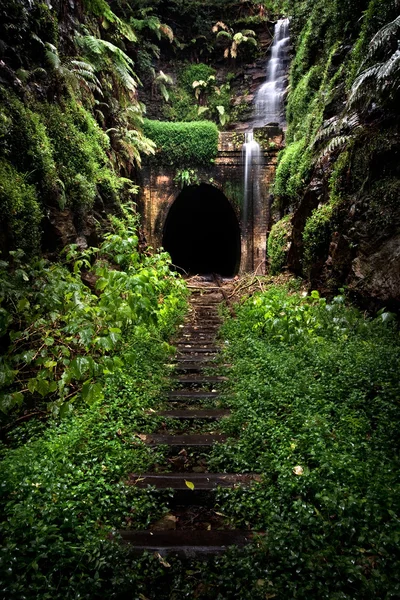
(269, 98)
(251, 151)
(268, 108)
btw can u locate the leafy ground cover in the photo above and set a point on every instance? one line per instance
(64, 487)
(314, 390)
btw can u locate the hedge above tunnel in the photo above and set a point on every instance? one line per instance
(183, 144)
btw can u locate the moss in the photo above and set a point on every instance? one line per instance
(317, 234)
(294, 164)
(20, 210)
(299, 102)
(183, 144)
(79, 147)
(234, 191)
(305, 114)
(27, 145)
(278, 241)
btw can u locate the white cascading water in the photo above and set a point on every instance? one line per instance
(251, 151)
(269, 98)
(268, 108)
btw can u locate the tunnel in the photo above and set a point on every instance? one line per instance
(202, 232)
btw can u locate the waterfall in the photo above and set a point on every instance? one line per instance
(268, 109)
(269, 98)
(251, 151)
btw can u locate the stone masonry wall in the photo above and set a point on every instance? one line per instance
(226, 174)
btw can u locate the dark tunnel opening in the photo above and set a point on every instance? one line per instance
(202, 232)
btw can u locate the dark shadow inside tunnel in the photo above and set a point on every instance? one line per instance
(202, 232)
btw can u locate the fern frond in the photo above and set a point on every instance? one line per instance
(224, 34)
(390, 70)
(383, 36)
(167, 32)
(358, 90)
(52, 57)
(251, 41)
(335, 143)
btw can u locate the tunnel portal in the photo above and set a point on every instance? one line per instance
(202, 232)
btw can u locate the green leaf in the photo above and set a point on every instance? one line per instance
(50, 364)
(42, 387)
(80, 366)
(92, 392)
(23, 304)
(189, 484)
(9, 401)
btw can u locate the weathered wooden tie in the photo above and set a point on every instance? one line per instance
(203, 440)
(193, 481)
(194, 414)
(187, 543)
(197, 350)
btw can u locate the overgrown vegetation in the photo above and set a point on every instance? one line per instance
(93, 360)
(183, 144)
(61, 336)
(278, 240)
(314, 391)
(344, 77)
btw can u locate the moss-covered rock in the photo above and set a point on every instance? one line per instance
(278, 244)
(20, 211)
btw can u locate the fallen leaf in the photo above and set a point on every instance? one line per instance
(298, 470)
(166, 523)
(190, 485)
(162, 561)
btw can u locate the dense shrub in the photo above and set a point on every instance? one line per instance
(195, 72)
(20, 210)
(278, 241)
(183, 144)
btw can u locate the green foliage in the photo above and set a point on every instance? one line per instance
(65, 490)
(64, 337)
(317, 234)
(26, 143)
(278, 241)
(79, 150)
(293, 167)
(186, 177)
(313, 388)
(378, 14)
(183, 144)
(198, 96)
(381, 80)
(20, 210)
(195, 72)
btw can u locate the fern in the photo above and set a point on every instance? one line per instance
(383, 37)
(77, 74)
(335, 143)
(106, 57)
(380, 82)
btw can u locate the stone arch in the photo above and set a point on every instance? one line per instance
(201, 231)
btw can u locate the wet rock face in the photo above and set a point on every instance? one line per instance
(378, 274)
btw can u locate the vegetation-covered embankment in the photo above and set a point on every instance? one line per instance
(314, 392)
(339, 174)
(95, 359)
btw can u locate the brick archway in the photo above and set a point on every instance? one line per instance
(202, 232)
(160, 190)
